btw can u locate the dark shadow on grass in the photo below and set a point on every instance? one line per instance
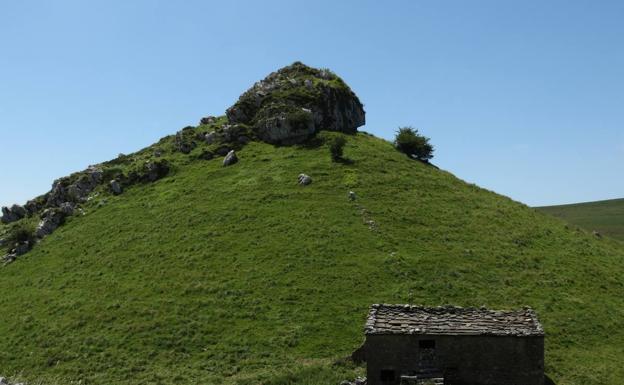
(345, 161)
(423, 161)
(548, 380)
(312, 143)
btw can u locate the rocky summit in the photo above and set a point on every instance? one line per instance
(292, 104)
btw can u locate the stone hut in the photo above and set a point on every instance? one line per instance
(453, 345)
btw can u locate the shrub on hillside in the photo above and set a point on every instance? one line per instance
(20, 232)
(336, 147)
(410, 142)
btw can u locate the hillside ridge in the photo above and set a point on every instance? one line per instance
(289, 106)
(604, 217)
(239, 274)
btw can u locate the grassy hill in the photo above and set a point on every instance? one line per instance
(606, 217)
(237, 275)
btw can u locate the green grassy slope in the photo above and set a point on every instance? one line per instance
(606, 217)
(239, 275)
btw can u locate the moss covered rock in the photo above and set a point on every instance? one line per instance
(292, 104)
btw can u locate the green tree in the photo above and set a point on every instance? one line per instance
(336, 147)
(410, 142)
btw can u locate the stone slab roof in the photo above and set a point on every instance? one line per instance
(451, 320)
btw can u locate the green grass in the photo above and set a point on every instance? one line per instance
(606, 217)
(238, 275)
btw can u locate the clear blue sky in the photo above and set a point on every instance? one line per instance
(525, 98)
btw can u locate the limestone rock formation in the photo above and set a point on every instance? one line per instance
(155, 170)
(210, 137)
(208, 120)
(15, 213)
(51, 219)
(74, 188)
(294, 103)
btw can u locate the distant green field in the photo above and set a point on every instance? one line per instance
(606, 217)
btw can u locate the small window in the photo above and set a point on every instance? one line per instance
(426, 344)
(387, 375)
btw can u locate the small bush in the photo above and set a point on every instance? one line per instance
(300, 120)
(410, 142)
(336, 147)
(20, 232)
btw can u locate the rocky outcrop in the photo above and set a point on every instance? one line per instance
(155, 170)
(208, 120)
(74, 188)
(294, 103)
(51, 219)
(12, 214)
(210, 137)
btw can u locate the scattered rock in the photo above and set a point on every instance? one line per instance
(182, 143)
(596, 234)
(8, 258)
(15, 213)
(230, 158)
(208, 120)
(4, 381)
(155, 170)
(210, 137)
(304, 179)
(357, 381)
(21, 248)
(158, 153)
(243, 139)
(67, 208)
(352, 196)
(292, 104)
(115, 187)
(228, 132)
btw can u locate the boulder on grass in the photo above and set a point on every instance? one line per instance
(115, 187)
(304, 179)
(230, 158)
